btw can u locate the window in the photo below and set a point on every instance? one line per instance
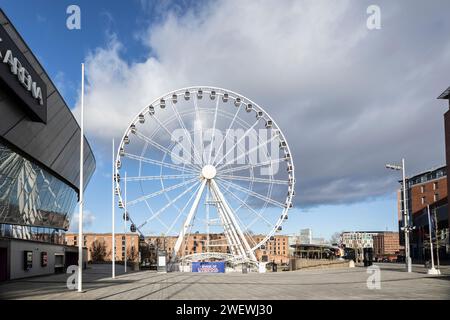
(435, 186)
(422, 189)
(436, 197)
(423, 200)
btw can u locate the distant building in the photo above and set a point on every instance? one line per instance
(275, 250)
(99, 246)
(358, 239)
(385, 244)
(306, 236)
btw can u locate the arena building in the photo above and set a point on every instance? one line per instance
(39, 164)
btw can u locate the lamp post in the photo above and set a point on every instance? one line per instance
(406, 228)
(80, 217)
(113, 236)
(125, 216)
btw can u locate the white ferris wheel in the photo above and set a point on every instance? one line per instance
(209, 162)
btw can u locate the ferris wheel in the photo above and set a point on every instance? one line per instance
(209, 168)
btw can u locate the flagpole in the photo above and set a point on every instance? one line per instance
(437, 239)
(433, 270)
(81, 188)
(113, 242)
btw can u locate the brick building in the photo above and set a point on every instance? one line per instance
(386, 245)
(99, 245)
(427, 188)
(276, 250)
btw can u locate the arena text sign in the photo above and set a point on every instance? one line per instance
(21, 78)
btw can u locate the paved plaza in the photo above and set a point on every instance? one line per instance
(342, 283)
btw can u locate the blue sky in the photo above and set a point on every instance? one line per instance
(349, 191)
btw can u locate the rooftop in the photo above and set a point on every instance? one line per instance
(445, 94)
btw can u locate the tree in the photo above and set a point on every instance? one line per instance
(132, 255)
(98, 251)
(335, 238)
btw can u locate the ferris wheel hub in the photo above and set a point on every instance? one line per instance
(209, 171)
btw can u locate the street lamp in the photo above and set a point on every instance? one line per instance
(406, 228)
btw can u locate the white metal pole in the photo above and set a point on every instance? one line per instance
(436, 232)
(405, 220)
(113, 237)
(125, 224)
(81, 188)
(431, 238)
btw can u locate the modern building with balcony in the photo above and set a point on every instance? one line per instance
(427, 189)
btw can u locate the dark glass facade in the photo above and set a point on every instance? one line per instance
(31, 196)
(49, 235)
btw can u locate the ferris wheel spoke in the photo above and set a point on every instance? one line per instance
(158, 163)
(192, 165)
(237, 143)
(246, 230)
(247, 206)
(226, 133)
(157, 193)
(188, 135)
(161, 177)
(183, 209)
(249, 166)
(160, 147)
(252, 193)
(156, 214)
(262, 180)
(250, 150)
(197, 115)
(214, 130)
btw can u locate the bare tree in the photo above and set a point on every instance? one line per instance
(335, 238)
(132, 254)
(98, 251)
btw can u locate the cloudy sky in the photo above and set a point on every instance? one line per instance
(349, 99)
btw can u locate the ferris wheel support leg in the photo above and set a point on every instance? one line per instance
(188, 220)
(229, 232)
(231, 235)
(235, 225)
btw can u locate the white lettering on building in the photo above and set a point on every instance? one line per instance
(23, 76)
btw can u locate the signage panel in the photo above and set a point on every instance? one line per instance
(44, 259)
(20, 77)
(27, 260)
(209, 267)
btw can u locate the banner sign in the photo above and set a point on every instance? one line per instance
(209, 267)
(18, 74)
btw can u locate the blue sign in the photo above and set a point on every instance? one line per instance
(210, 267)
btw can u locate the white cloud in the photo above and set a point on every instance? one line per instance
(349, 99)
(88, 221)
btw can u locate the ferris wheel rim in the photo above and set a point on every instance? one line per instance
(219, 91)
